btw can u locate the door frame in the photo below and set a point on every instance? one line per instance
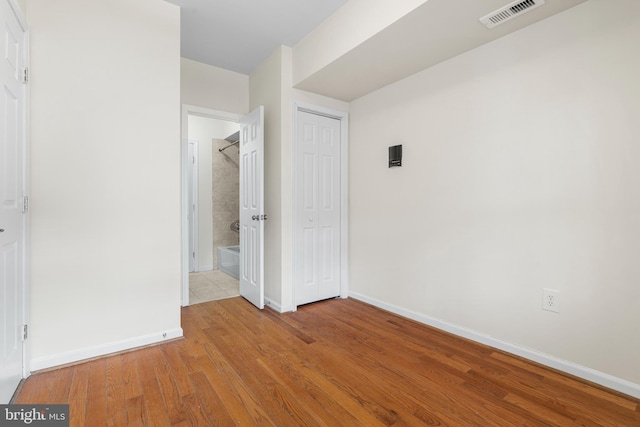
(192, 110)
(26, 347)
(343, 117)
(194, 226)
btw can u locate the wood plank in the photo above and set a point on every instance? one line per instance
(97, 393)
(195, 414)
(36, 392)
(171, 396)
(212, 407)
(136, 413)
(156, 411)
(25, 393)
(543, 372)
(244, 409)
(395, 375)
(115, 394)
(61, 384)
(238, 387)
(178, 370)
(276, 351)
(240, 350)
(282, 405)
(113, 370)
(388, 414)
(130, 379)
(289, 371)
(116, 405)
(78, 394)
(272, 361)
(338, 362)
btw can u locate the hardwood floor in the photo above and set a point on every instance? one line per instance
(333, 363)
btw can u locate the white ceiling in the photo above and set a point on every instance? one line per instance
(432, 33)
(238, 35)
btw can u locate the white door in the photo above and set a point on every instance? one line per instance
(12, 193)
(317, 223)
(252, 214)
(192, 215)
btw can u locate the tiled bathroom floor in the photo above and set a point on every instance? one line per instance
(212, 285)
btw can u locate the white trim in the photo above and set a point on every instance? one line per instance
(203, 112)
(104, 349)
(343, 116)
(184, 199)
(194, 110)
(26, 346)
(205, 268)
(19, 13)
(194, 229)
(277, 307)
(566, 366)
(193, 189)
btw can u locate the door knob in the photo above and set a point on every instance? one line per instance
(255, 217)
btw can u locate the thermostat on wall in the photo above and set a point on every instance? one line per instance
(395, 156)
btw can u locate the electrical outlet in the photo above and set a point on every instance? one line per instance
(551, 300)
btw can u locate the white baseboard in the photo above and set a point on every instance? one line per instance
(606, 380)
(102, 349)
(277, 307)
(205, 268)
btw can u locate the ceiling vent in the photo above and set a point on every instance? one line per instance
(510, 11)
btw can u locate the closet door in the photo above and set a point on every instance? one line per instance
(317, 223)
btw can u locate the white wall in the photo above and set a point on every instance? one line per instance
(207, 86)
(203, 130)
(349, 26)
(519, 172)
(266, 89)
(105, 176)
(22, 4)
(319, 100)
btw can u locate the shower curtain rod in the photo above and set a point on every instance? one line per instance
(224, 148)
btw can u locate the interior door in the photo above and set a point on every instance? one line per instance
(12, 203)
(317, 224)
(252, 214)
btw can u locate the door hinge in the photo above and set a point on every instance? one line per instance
(25, 204)
(25, 76)
(25, 332)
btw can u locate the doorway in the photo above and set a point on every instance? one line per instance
(210, 204)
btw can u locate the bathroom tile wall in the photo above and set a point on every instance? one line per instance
(226, 185)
